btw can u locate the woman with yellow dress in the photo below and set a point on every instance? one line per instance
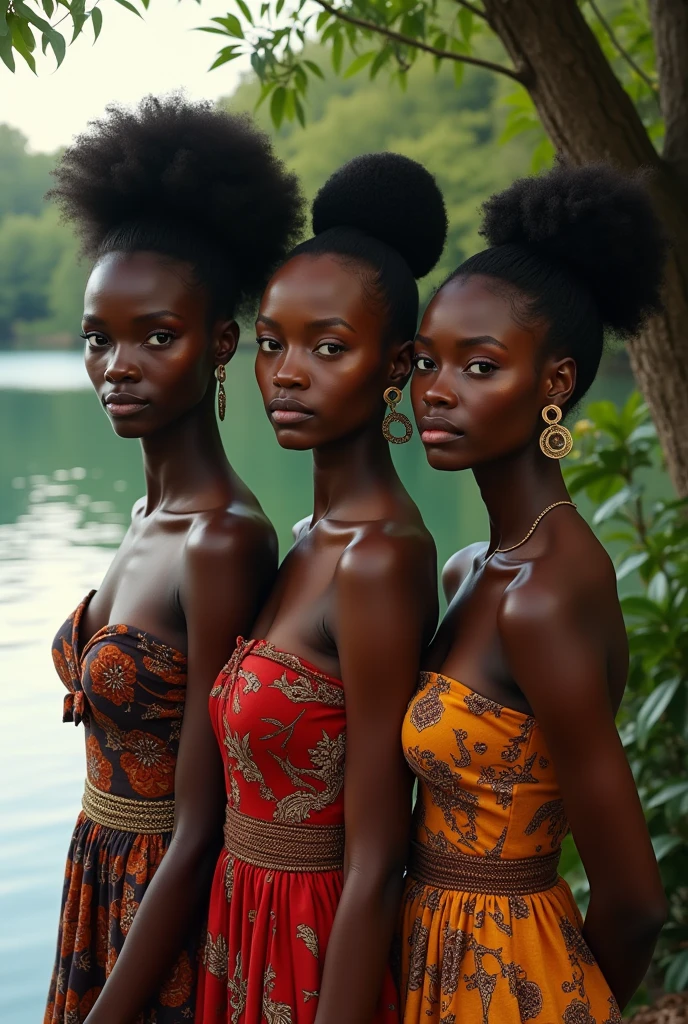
(511, 733)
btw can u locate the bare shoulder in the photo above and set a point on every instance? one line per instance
(572, 578)
(241, 533)
(459, 566)
(138, 508)
(303, 524)
(382, 553)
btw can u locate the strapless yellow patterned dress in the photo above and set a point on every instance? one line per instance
(490, 934)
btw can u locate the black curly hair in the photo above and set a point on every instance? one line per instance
(384, 214)
(586, 252)
(189, 182)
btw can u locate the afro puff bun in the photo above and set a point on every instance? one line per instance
(391, 198)
(172, 175)
(597, 223)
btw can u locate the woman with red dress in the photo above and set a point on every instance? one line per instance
(186, 211)
(308, 713)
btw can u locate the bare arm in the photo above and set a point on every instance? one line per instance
(457, 568)
(228, 569)
(385, 605)
(555, 646)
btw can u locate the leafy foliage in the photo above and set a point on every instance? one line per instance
(618, 454)
(26, 23)
(373, 36)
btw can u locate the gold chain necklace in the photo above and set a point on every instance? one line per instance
(531, 531)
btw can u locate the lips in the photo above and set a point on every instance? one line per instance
(437, 430)
(121, 403)
(287, 411)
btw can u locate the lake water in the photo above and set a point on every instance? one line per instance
(67, 484)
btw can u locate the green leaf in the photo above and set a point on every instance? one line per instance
(4, 27)
(18, 41)
(314, 68)
(459, 69)
(658, 588)
(676, 978)
(279, 7)
(666, 794)
(129, 7)
(322, 20)
(640, 607)
(6, 55)
(245, 10)
(57, 45)
(381, 58)
(359, 63)
(662, 845)
(300, 113)
(654, 707)
(265, 92)
(48, 6)
(277, 104)
(97, 20)
(612, 505)
(232, 24)
(337, 52)
(226, 54)
(631, 563)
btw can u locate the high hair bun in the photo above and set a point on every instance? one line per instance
(597, 223)
(391, 198)
(188, 168)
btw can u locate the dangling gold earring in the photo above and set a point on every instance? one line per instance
(221, 375)
(555, 439)
(392, 397)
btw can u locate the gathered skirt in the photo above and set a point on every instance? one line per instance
(468, 958)
(107, 874)
(267, 938)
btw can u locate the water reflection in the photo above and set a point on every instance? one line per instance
(67, 484)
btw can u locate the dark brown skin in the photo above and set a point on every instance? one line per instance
(357, 594)
(538, 629)
(193, 569)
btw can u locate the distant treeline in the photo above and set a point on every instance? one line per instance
(455, 133)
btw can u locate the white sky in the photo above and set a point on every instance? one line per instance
(132, 58)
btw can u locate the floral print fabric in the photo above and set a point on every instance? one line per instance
(281, 725)
(128, 690)
(487, 788)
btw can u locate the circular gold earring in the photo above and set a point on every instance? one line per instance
(555, 439)
(221, 375)
(392, 397)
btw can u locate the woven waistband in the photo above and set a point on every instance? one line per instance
(145, 817)
(489, 875)
(281, 847)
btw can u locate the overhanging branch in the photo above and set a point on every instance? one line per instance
(652, 86)
(398, 37)
(473, 9)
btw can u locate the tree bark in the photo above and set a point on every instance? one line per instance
(590, 118)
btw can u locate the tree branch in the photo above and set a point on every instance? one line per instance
(473, 9)
(652, 86)
(670, 30)
(398, 37)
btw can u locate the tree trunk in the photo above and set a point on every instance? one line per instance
(590, 118)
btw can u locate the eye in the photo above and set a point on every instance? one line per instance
(159, 339)
(423, 364)
(481, 368)
(268, 345)
(330, 348)
(95, 340)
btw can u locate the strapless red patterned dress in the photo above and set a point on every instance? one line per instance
(128, 690)
(281, 725)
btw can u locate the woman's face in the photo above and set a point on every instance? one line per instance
(481, 380)
(322, 366)
(149, 352)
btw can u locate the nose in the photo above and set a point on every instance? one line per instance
(440, 393)
(291, 372)
(121, 366)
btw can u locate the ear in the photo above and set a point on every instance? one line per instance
(560, 381)
(402, 365)
(225, 341)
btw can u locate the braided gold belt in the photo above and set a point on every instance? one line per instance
(462, 872)
(146, 817)
(282, 847)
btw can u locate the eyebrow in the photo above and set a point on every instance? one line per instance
(330, 321)
(483, 339)
(143, 318)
